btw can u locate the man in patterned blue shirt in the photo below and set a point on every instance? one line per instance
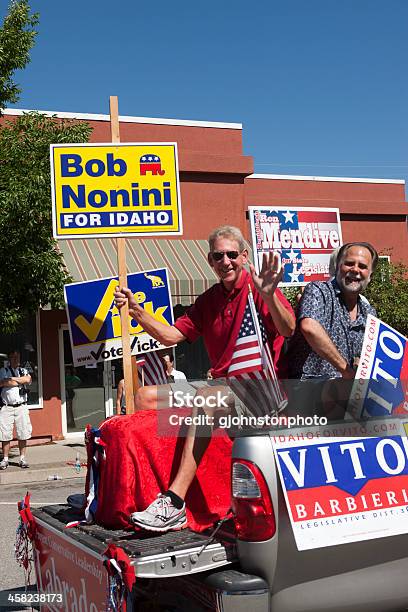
(332, 317)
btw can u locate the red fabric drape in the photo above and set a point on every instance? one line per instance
(140, 464)
(27, 518)
(128, 573)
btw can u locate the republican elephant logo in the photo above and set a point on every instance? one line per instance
(151, 163)
(155, 280)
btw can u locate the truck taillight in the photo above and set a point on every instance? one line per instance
(251, 502)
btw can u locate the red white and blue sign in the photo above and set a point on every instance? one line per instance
(94, 321)
(304, 237)
(341, 490)
(380, 386)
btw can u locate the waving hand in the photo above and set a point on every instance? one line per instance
(270, 274)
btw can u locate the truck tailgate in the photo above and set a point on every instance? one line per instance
(175, 553)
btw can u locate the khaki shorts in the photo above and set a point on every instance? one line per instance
(18, 415)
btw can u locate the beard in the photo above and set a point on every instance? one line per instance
(351, 284)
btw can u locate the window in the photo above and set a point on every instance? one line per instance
(191, 358)
(26, 341)
(384, 262)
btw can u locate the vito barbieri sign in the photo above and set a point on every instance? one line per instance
(121, 189)
(304, 237)
(380, 387)
(341, 490)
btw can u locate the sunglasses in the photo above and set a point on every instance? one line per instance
(218, 255)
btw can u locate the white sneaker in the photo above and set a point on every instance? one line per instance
(23, 464)
(161, 516)
(4, 464)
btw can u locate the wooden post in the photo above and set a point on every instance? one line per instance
(124, 312)
(135, 376)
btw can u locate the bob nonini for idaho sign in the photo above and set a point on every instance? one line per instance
(345, 489)
(115, 189)
(94, 320)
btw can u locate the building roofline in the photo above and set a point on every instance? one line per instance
(337, 179)
(128, 119)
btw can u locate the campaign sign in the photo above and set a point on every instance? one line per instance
(341, 490)
(348, 428)
(304, 237)
(69, 575)
(94, 320)
(119, 189)
(380, 387)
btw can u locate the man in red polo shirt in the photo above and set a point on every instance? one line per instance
(219, 316)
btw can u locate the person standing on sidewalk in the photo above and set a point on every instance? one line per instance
(14, 409)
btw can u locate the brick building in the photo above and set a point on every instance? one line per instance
(217, 186)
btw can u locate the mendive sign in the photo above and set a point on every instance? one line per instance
(115, 189)
(304, 237)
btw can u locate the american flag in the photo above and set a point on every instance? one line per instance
(151, 370)
(247, 355)
(252, 361)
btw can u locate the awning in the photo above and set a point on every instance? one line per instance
(186, 261)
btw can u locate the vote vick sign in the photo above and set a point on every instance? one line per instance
(341, 490)
(94, 320)
(116, 189)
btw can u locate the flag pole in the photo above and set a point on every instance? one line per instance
(269, 371)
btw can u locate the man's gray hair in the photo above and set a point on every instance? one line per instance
(333, 262)
(227, 231)
(366, 245)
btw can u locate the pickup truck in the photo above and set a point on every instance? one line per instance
(250, 560)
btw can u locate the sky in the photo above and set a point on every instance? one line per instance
(320, 86)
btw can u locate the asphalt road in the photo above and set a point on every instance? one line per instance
(44, 493)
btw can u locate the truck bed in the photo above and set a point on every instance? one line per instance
(175, 553)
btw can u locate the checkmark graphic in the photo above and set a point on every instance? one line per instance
(92, 328)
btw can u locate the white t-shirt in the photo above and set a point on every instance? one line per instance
(178, 375)
(11, 395)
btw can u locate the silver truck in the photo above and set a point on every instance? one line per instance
(249, 561)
